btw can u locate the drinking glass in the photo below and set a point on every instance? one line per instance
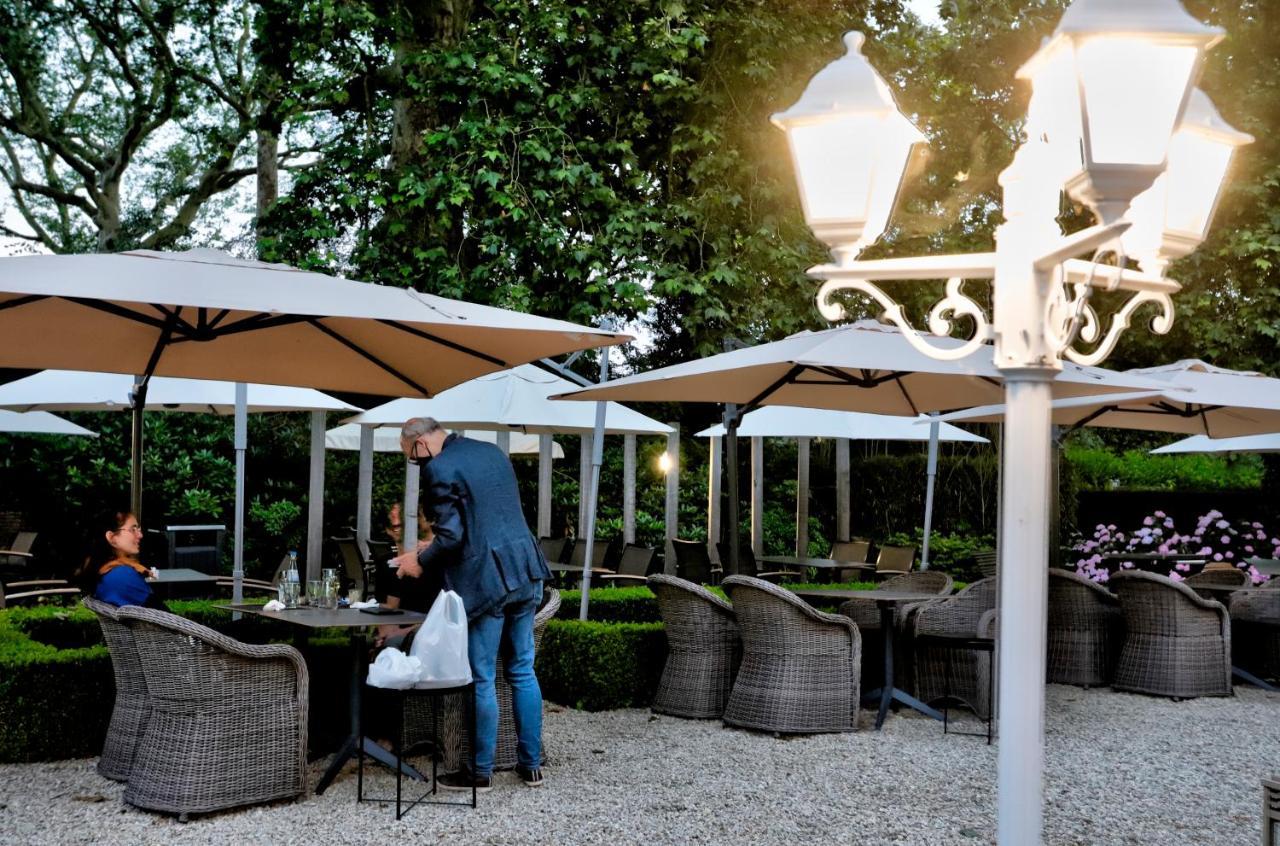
(315, 593)
(355, 595)
(289, 594)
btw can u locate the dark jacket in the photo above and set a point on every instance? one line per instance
(482, 544)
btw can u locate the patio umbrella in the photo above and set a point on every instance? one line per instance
(347, 438)
(1200, 443)
(70, 390)
(39, 423)
(1191, 398)
(776, 421)
(206, 314)
(515, 400)
(862, 366)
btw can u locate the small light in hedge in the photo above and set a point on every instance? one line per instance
(664, 463)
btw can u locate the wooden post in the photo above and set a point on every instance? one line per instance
(315, 497)
(545, 444)
(629, 488)
(714, 473)
(757, 496)
(503, 439)
(673, 498)
(842, 489)
(802, 497)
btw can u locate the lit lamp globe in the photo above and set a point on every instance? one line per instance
(1126, 67)
(850, 147)
(665, 463)
(1172, 217)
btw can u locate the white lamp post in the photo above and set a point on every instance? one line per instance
(1109, 88)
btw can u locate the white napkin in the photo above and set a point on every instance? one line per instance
(273, 605)
(369, 603)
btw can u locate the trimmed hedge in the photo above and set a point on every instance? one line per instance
(612, 605)
(598, 666)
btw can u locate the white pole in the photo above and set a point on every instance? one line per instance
(714, 474)
(593, 489)
(628, 488)
(545, 445)
(931, 471)
(842, 489)
(315, 497)
(672, 510)
(757, 496)
(241, 443)
(1024, 537)
(584, 482)
(409, 511)
(503, 440)
(364, 490)
(802, 497)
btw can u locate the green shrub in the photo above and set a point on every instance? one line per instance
(612, 605)
(598, 666)
(1101, 469)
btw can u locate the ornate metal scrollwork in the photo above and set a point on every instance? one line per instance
(1160, 324)
(955, 304)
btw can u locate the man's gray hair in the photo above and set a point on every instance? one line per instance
(416, 427)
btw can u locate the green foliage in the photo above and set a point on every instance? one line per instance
(598, 666)
(1102, 469)
(612, 605)
(952, 554)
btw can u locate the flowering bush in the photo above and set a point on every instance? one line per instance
(1214, 539)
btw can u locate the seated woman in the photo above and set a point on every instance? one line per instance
(111, 572)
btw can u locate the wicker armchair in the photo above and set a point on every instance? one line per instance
(1176, 644)
(864, 611)
(1255, 623)
(703, 649)
(132, 707)
(455, 746)
(1228, 576)
(228, 724)
(970, 613)
(801, 668)
(1085, 630)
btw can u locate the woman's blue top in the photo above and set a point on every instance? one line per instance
(122, 586)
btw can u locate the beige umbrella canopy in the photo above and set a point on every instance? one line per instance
(204, 314)
(1194, 398)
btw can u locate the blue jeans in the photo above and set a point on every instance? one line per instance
(507, 629)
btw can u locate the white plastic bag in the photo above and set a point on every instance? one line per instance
(441, 643)
(392, 668)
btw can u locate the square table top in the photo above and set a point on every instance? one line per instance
(876, 595)
(175, 575)
(329, 618)
(819, 563)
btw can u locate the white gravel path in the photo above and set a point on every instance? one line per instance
(1121, 770)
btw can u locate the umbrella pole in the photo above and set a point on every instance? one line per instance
(732, 518)
(932, 473)
(593, 489)
(364, 490)
(241, 445)
(139, 398)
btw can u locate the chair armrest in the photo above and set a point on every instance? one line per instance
(34, 582)
(4, 552)
(623, 577)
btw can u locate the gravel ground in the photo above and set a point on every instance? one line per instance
(1121, 770)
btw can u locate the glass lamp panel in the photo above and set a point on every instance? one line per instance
(895, 151)
(1147, 214)
(1197, 169)
(1055, 110)
(836, 162)
(1133, 89)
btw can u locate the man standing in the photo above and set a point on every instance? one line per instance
(486, 553)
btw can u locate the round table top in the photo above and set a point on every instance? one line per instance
(876, 595)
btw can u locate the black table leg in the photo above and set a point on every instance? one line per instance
(887, 693)
(357, 740)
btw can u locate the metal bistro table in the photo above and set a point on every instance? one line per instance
(1172, 557)
(565, 573)
(1222, 593)
(886, 601)
(173, 581)
(357, 621)
(793, 562)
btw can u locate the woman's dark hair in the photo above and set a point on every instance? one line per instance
(96, 549)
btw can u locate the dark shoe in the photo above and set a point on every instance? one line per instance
(532, 778)
(465, 781)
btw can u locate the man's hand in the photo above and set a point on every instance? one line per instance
(407, 565)
(389, 630)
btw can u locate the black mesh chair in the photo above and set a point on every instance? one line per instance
(693, 561)
(747, 565)
(633, 567)
(554, 549)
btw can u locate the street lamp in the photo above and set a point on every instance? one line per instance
(1108, 89)
(1172, 217)
(850, 147)
(664, 463)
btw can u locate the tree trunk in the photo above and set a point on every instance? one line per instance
(268, 175)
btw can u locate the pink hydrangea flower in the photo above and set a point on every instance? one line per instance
(1176, 577)
(1226, 539)
(1148, 521)
(1217, 556)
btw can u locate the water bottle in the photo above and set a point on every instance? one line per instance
(292, 574)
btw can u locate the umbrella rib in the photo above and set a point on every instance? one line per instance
(356, 348)
(163, 341)
(754, 402)
(21, 301)
(427, 336)
(119, 311)
(897, 380)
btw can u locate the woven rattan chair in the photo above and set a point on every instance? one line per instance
(693, 561)
(228, 724)
(703, 649)
(1176, 644)
(132, 707)
(801, 668)
(864, 611)
(1255, 628)
(1270, 810)
(1085, 630)
(970, 613)
(455, 747)
(1220, 575)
